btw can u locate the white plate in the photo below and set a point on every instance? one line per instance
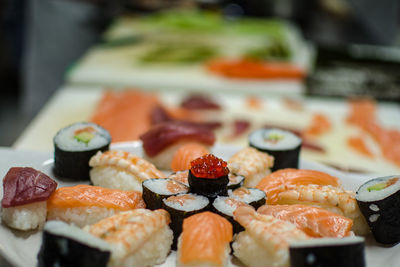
(21, 248)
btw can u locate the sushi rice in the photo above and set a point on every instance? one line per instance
(25, 217)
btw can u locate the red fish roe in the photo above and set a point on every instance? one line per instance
(209, 166)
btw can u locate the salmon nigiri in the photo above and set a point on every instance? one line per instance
(316, 222)
(185, 154)
(86, 204)
(286, 179)
(204, 240)
(266, 239)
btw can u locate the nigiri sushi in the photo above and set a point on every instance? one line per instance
(86, 204)
(266, 239)
(121, 170)
(332, 198)
(161, 142)
(204, 241)
(138, 237)
(252, 164)
(185, 154)
(316, 222)
(285, 179)
(25, 194)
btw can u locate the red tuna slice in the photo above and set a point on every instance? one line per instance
(26, 185)
(164, 134)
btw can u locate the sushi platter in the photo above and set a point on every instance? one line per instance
(21, 248)
(76, 103)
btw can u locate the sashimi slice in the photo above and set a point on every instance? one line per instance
(315, 222)
(204, 239)
(126, 114)
(87, 196)
(286, 179)
(185, 154)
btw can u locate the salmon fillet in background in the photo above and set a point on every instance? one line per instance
(127, 114)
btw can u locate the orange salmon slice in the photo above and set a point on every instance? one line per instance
(87, 196)
(204, 238)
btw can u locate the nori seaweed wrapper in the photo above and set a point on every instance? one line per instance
(57, 250)
(177, 217)
(329, 255)
(153, 200)
(383, 217)
(210, 188)
(74, 165)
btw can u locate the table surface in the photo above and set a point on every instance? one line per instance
(73, 103)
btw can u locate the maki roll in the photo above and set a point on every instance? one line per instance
(252, 196)
(66, 245)
(328, 252)
(378, 200)
(284, 146)
(182, 206)
(235, 181)
(25, 195)
(155, 190)
(74, 145)
(208, 176)
(225, 206)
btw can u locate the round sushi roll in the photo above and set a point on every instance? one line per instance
(252, 196)
(74, 145)
(155, 190)
(378, 200)
(67, 245)
(347, 251)
(225, 206)
(235, 181)
(208, 176)
(182, 206)
(284, 146)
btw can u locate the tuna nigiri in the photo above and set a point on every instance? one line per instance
(24, 204)
(265, 240)
(286, 179)
(86, 204)
(316, 222)
(137, 238)
(204, 240)
(185, 154)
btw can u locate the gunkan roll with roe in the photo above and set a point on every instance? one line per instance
(74, 145)
(283, 145)
(208, 176)
(379, 202)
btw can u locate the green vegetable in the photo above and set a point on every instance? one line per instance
(377, 187)
(84, 137)
(274, 138)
